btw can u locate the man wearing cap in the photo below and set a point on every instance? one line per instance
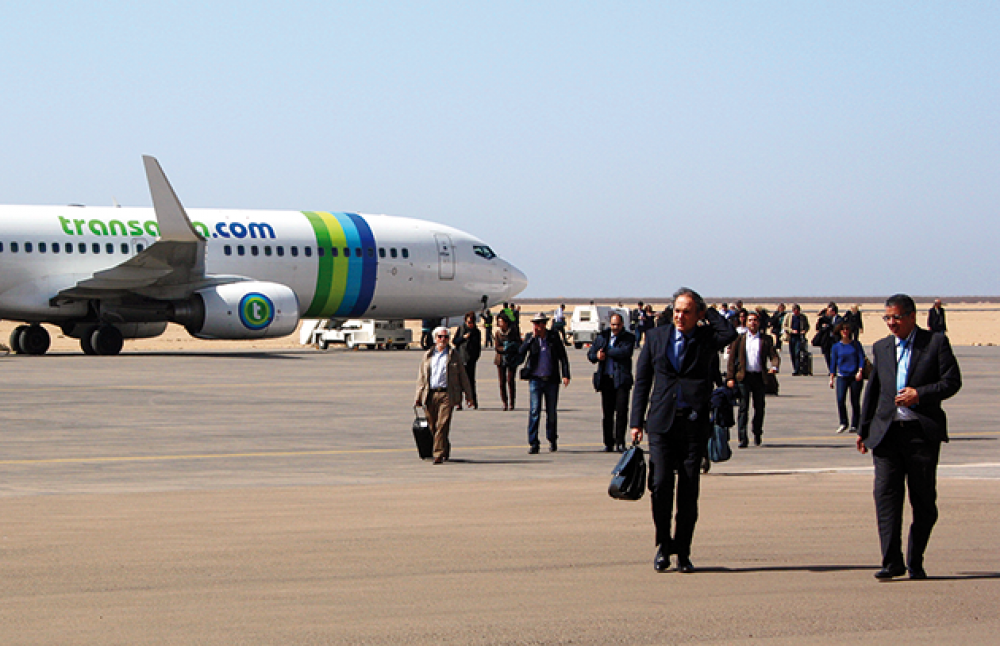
(545, 361)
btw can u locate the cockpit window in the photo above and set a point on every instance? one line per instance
(484, 251)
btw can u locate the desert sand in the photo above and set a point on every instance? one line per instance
(969, 323)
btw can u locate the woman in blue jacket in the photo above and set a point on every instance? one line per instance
(847, 362)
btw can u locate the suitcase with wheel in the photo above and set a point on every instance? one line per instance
(805, 362)
(422, 435)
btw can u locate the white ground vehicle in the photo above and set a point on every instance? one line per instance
(355, 333)
(589, 320)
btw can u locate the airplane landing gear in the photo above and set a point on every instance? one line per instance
(30, 339)
(15, 339)
(35, 340)
(106, 340)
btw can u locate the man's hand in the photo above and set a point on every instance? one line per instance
(831, 381)
(861, 446)
(565, 381)
(601, 355)
(636, 434)
(907, 397)
(730, 384)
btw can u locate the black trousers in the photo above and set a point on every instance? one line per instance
(614, 405)
(751, 390)
(795, 343)
(675, 462)
(470, 372)
(905, 459)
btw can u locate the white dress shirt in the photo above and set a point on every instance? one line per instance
(439, 369)
(754, 362)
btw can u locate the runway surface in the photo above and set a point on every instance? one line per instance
(275, 497)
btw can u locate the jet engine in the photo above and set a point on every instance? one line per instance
(243, 310)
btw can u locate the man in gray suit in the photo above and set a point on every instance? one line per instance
(903, 425)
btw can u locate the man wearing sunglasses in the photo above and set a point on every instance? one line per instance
(441, 382)
(903, 425)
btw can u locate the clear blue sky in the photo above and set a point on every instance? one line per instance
(615, 148)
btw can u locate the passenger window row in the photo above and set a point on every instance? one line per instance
(333, 252)
(241, 250)
(67, 247)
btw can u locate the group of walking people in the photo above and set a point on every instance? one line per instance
(900, 419)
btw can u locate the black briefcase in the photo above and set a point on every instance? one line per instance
(422, 435)
(628, 480)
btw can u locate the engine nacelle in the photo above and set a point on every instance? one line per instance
(245, 310)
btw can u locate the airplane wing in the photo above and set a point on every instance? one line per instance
(173, 267)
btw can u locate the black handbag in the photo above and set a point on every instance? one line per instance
(628, 479)
(770, 383)
(718, 444)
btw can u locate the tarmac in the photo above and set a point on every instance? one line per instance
(275, 497)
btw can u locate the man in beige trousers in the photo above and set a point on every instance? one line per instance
(441, 381)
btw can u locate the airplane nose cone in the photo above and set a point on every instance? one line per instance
(517, 283)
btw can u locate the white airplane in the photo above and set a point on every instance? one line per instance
(107, 274)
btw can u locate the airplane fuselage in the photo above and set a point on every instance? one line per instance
(339, 265)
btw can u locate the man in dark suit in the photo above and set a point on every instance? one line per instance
(748, 358)
(612, 352)
(674, 377)
(935, 318)
(903, 425)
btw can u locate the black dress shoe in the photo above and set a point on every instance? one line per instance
(533, 449)
(684, 565)
(743, 444)
(553, 447)
(661, 562)
(620, 448)
(609, 449)
(918, 573)
(890, 572)
(757, 440)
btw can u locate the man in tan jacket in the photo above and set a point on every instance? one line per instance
(441, 381)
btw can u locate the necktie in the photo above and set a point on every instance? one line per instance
(902, 364)
(680, 345)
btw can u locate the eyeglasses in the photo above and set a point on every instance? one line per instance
(442, 336)
(893, 317)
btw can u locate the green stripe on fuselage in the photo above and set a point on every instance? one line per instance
(332, 272)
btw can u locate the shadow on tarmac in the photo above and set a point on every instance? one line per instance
(786, 568)
(843, 568)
